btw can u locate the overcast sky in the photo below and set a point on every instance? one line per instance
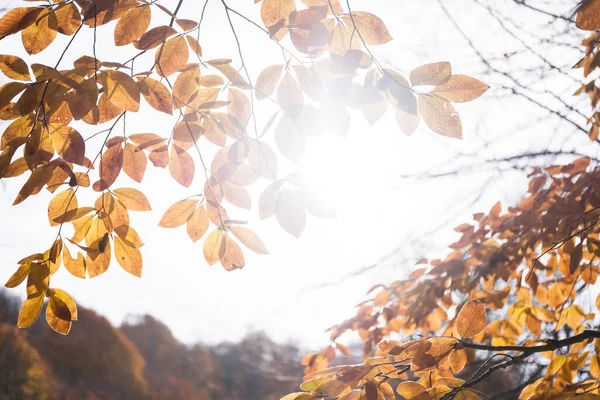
(377, 211)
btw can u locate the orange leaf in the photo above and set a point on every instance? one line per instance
(171, 56)
(128, 256)
(471, 319)
(214, 246)
(440, 116)
(14, 68)
(431, 74)
(181, 166)
(121, 90)
(460, 89)
(249, 239)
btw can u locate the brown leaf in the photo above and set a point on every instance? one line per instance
(14, 68)
(431, 74)
(68, 18)
(39, 35)
(178, 214)
(194, 45)
(154, 37)
(186, 86)
(171, 56)
(460, 89)
(440, 116)
(471, 319)
(132, 25)
(588, 16)
(17, 19)
(121, 90)
(232, 257)
(156, 94)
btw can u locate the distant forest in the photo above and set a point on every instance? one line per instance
(139, 360)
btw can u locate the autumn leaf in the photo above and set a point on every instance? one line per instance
(471, 319)
(371, 27)
(440, 116)
(267, 81)
(30, 310)
(181, 166)
(292, 216)
(62, 207)
(460, 89)
(171, 56)
(431, 74)
(178, 214)
(134, 162)
(128, 256)
(249, 239)
(14, 67)
(133, 199)
(214, 246)
(37, 36)
(198, 224)
(154, 37)
(110, 167)
(156, 94)
(121, 90)
(132, 25)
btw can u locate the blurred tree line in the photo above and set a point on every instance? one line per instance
(140, 360)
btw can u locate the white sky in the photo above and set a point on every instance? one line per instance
(376, 210)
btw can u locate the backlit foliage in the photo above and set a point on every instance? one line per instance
(508, 294)
(327, 71)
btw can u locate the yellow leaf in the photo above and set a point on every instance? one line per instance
(9, 90)
(214, 246)
(171, 56)
(409, 389)
(178, 214)
(121, 90)
(471, 319)
(186, 86)
(133, 199)
(76, 267)
(129, 235)
(97, 262)
(460, 89)
(68, 17)
(128, 257)
(249, 239)
(198, 224)
(14, 67)
(19, 276)
(30, 311)
(62, 207)
(132, 25)
(440, 116)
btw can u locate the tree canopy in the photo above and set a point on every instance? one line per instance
(507, 293)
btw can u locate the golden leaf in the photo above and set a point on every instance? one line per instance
(62, 207)
(134, 163)
(370, 26)
(121, 90)
(154, 37)
(30, 311)
(471, 319)
(128, 256)
(156, 94)
(409, 389)
(178, 214)
(171, 56)
(214, 246)
(132, 25)
(133, 199)
(39, 35)
(14, 68)
(431, 74)
(181, 166)
(249, 239)
(198, 224)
